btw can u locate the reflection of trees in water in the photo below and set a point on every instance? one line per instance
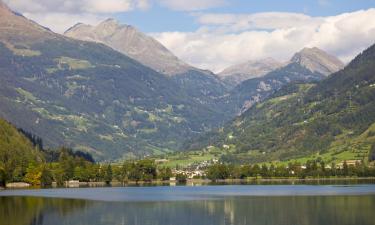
(237, 210)
(32, 210)
(302, 210)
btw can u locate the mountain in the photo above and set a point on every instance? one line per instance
(202, 85)
(90, 97)
(128, 40)
(302, 67)
(316, 60)
(236, 74)
(332, 119)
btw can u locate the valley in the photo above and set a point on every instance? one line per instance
(118, 94)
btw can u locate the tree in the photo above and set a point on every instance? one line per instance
(322, 168)
(134, 173)
(246, 170)
(255, 170)
(58, 175)
(46, 178)
(264, 171)
(33, 175)
(181, 178)
(372, 153)
(345, 169)
(81, 173)
(147, 168)
(2, 177)
(218, 172)
(165, 173)
(108, 174)
(66, 163)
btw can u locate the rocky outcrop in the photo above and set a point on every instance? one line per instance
(130, 41)
(248, 70)
(317, 60)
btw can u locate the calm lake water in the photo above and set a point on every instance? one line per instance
(205, 205)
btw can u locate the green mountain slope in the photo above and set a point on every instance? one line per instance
(255, 90)
(334, 119)
(307, 65)
(90, 97)
(16, 151)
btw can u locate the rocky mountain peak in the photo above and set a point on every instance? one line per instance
(317, 60)
(131, 42)
(4, 9)
(248, 70)
(108, 26)
(13, 24)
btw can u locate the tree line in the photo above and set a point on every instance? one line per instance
(313, 169)
(68, 165)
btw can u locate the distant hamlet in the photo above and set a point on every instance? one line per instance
(24, 163)
(109, 104)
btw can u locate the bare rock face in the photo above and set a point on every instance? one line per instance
(128, 40)
(316, 60)
(17, 29)
(249, 70)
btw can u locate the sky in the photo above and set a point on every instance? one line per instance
(215, 34)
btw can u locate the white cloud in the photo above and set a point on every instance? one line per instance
(268, 20)
(61, 14)
(224, 40)
(60, 22)
(192, 5)
(74, 6)
(143, 4)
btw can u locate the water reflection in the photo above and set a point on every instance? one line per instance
(302, 210)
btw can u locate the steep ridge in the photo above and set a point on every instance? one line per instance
(236, 74)
(299, 69)
(204, 86)
(332, 118)
(130, 41)
(87, 96)
(316, 60)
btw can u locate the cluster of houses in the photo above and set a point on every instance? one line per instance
(196, 170)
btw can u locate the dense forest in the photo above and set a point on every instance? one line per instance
(22, 159)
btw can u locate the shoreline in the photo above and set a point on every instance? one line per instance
(207, 182)
(226, 181)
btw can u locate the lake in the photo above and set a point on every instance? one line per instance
(184, 205)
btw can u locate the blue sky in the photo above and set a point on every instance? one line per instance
(215, 34)
(159, 18)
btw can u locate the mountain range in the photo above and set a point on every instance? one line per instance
(88, 96)
(310, 64)
(200, 84)
(115, 92)
(333, 119)
(129, 41)
(236, 74)
(313, 59)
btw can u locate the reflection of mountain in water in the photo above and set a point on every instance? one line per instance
(304, 210)
(34, 210)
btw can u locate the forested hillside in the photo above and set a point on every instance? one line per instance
(16, 152)
(334, 119)
(92, 98)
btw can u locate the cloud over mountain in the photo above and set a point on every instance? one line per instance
(60, 14)
(192, 5)
(226, 39)
(219, 40)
